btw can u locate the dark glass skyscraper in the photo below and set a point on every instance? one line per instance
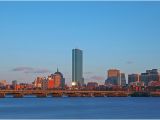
(77, 67)
(123, 79)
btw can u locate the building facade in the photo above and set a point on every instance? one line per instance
(133, 78)
(59, 80)
(113, 77)
(149, 75)
(38, 82)
(92, 85)
(14, 84)
(77, 67)
(56, 81)
(123, 79)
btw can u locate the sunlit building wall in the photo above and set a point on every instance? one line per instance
(113, 77)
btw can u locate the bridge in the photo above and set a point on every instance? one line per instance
(60, 93)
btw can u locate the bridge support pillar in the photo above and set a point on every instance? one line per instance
(99, 95)
(41, 95)
(18, 95)
(57, 95)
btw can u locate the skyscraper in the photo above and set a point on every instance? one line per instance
(113, 77)
(77, 67)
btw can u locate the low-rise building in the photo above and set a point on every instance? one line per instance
(92, 85)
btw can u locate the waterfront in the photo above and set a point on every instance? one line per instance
(80, 108)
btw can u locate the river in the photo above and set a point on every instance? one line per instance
(80, 108)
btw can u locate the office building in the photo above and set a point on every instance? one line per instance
(133, 78)
(38, 82)
(50, 82)
(3, 83)
(44, 83)
(149, 75)
(14, 84)
(56, 80)
(113, 77)
(59, 80)
(92, 85)
(77, 67)
(123, 79)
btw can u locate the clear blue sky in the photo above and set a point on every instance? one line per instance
(36, 37)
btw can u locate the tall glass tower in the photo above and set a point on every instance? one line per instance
(77, 67)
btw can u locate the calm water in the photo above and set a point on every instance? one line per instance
(89, 108)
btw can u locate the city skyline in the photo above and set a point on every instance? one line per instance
(38, 37)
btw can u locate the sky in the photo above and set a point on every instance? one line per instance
(38, 37)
